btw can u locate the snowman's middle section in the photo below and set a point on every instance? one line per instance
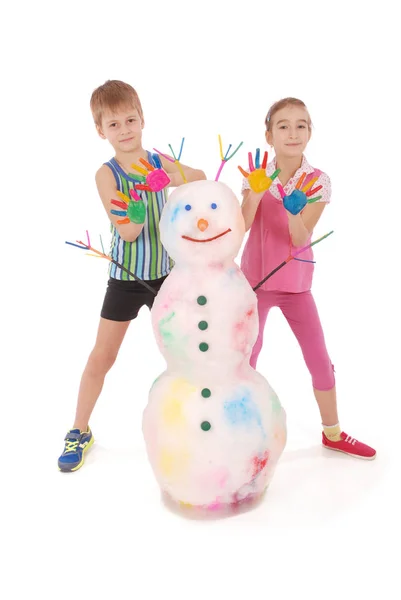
(205, 321)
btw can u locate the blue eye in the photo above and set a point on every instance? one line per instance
(214, 205)
(188, 207)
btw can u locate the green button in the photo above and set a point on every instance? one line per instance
(206, 393)
(203, 325)
(203, 347)
(201, 300)
(205, 425)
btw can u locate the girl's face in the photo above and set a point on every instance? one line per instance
(289, 131)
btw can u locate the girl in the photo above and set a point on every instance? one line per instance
(273, 231)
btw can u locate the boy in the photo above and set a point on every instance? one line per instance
(118, 117)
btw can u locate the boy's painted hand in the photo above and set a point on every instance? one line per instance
(257, 178)
(152, 179)
(298, 199)
(134, 210)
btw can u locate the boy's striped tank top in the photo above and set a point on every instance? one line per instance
(145, 257)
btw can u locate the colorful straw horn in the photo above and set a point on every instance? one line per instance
(174, 160)
(98, 254)
(224, 157)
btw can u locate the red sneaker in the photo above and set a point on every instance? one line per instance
(351, 446)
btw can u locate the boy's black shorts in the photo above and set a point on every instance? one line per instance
(124, 299)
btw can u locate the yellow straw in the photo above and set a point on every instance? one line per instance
(221, 148)
(181, 171)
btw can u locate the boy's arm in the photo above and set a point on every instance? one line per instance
(175, 175)
(106, 185)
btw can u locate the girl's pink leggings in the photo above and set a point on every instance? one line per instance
(301, 313)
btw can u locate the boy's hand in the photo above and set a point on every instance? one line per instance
(298, 199)
(257, 178)
(152, 179)
(134, 210)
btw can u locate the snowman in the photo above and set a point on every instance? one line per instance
(214, 428)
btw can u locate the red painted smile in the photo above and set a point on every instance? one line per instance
(185, 237)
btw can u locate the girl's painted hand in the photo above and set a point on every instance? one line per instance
(134, 211)
(257, 178)
(298, 199)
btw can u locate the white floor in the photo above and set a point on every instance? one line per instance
(328, 522)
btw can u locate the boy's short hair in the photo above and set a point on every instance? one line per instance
(112, 95)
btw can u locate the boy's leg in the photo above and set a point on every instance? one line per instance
(108, 342)
(121, 305)
(79, 439)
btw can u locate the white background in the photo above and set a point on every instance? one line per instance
(327, 527)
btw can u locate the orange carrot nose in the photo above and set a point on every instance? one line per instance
(203, 224)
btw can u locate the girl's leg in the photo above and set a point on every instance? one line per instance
(109, 339)
(301, 313)
(265, 302)
(302, 316)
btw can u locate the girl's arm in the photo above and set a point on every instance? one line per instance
(106, 185)
(175, 175)
(302, 225)
(250, 204)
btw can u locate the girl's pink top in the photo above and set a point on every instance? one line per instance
(269, 242)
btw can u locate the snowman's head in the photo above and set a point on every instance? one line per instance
(202, 223)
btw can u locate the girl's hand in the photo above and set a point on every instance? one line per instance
(134, 211)
(298, 199)
(152, 179)
(257, 178)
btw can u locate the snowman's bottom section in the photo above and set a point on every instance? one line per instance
(214, 510)
(217, 446)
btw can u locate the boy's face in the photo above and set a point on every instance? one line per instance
(123, 129)
(290, 132)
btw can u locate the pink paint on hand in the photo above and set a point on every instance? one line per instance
(157, 180)
(134, 195)
(281, 190)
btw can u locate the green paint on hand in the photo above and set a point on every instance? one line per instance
(137, 212)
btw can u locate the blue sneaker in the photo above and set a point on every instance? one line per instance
(76, 444)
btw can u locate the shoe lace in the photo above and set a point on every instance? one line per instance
(70, 446)
(350, 440)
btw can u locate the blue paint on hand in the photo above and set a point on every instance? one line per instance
(295, 202)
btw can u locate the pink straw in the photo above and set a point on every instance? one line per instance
(164, 155)
(220, 170)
